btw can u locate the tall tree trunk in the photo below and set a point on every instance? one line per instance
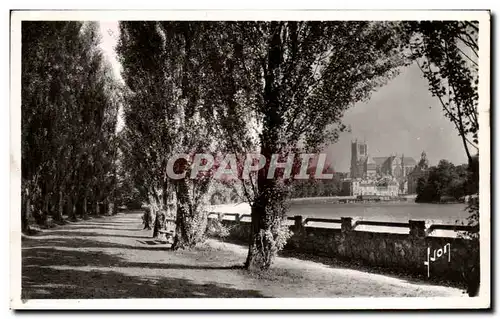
(268, 212)
(85, 214)
(268, 208)
(71, 209)
(79, 205)
(473, 180)
(97, 208)
(181, 238)
(58, 211)
(156, 212)
(161, 213)
(25, 210)
(159, 223)
(115, 209)
(45, 210)
(91, 202)
(98, 202)
(106, 207)
(165, 198)
(147, 218)
(191, 224)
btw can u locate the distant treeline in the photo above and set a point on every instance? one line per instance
(318, 187)
(447, 182)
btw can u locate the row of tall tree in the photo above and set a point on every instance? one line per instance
(69, 113)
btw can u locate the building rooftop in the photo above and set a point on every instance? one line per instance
(380, 160)
(409, 161)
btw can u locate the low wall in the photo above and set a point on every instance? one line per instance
(407, 252)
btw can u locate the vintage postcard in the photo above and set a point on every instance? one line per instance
(296, 159)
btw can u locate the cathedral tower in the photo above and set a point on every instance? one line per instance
(358, 156)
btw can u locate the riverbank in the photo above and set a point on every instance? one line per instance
(354, 199)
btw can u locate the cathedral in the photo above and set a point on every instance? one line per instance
(383, 176)
(366, 166)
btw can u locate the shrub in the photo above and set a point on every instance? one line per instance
(215, 228)
(471, 269)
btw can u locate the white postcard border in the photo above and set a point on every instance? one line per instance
(482, 301)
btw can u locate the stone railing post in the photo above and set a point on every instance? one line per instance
(237, 218)
(220, 216)
(417, 229)
(298, 225)
(417, 254)
(346, 240)
(346, 225)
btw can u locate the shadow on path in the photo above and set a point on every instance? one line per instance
(43, 283)
(42, 276)
(62, 241)
(46, 257)
(70, 233)
(83, 227)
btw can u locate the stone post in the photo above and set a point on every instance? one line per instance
(417, 229)
(237, 218)
(298, 225)
(418, 252)
(346, 225)
(345, 242)
(298, 237)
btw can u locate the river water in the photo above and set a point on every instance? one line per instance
(394, 212)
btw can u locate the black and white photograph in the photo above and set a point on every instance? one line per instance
(280, 157)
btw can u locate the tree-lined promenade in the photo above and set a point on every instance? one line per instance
(273, 88)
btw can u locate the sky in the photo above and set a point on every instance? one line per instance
(109, 37)
(400, 118)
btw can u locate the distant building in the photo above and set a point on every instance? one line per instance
(382, 176)
(365, 166)
(385, 187)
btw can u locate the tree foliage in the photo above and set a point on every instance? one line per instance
(444, 182)
(447, 53)
(165, 116)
